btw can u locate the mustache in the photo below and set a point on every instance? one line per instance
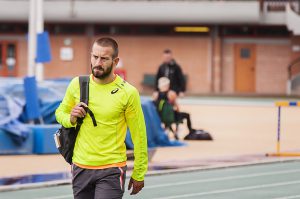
(98, 67)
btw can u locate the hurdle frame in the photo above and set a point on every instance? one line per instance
(280, 104)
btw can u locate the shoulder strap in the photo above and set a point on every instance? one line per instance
(84, 88)
(84, 94)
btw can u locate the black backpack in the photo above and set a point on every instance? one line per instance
(65, 137)
(198, 135)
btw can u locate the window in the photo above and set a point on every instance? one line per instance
(15, 28)
(61, 29)
(245, 53)
(255, 31)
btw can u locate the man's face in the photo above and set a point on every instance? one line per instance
(167, 57)
(102, 63)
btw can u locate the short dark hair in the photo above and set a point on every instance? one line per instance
(109, 42)
(167, 51)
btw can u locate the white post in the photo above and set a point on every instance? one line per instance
(289, 87)
(39, 29)
(31, 39)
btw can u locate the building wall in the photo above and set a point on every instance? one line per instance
(272, 59)
(227, 85)
(271, 68)
(143, 54)
(58, 68)
(139, 54)
(22, 57)
(81, 56)
(295, 42)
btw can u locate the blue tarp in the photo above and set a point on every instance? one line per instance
(12, 106)
(10, 110)
(156, 135)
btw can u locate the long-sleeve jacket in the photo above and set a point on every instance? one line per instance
(115, 106)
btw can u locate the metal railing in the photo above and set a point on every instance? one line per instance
(295, 6)
(279, 5)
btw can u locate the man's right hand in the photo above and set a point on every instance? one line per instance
(77, 111)
(136, 186)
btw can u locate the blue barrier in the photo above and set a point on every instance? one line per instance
(9, 147)
(32, 100)
(43, 138)
(43, 53)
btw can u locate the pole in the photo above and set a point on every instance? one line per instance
(31, 39)
(39, 29)
(278, 130)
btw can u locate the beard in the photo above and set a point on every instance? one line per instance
(105, 72)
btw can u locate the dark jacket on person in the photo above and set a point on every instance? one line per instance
(172, 71)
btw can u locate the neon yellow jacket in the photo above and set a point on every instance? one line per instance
(115, 105)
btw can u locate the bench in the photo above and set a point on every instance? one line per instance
(149, 80)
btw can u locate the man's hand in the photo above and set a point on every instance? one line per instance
(77, 111)
(137, 186)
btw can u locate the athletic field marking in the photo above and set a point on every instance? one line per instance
(58, 197)
(289, 197)
(233, 190)
(223, 178)
(210, 180)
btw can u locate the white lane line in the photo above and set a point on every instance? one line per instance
(232, 190)
(222, 179)
(200, 181)
(58, 197)
(289, 197)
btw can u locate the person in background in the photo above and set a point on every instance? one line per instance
(170, 69)
(99, 156)
(169, 95)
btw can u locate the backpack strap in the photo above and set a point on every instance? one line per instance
(84, 89)
(84, 96)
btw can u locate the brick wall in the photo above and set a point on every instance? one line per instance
(81, 58)
(271, 68)
(58, 68)
(143, 54)
(227, 86)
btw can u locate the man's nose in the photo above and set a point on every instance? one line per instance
(99, 62)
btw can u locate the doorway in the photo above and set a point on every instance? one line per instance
(244, 59)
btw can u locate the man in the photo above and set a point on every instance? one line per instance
(170, 69)
(99, 159)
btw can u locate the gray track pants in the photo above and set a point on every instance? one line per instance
(98, 183)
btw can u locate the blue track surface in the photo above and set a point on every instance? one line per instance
(262, 181)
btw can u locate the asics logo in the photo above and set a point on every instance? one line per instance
(114, 91)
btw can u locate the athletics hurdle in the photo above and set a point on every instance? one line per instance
(280, 104)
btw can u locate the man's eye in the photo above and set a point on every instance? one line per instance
(95, 57)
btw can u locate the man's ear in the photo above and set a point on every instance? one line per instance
(116, 61)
